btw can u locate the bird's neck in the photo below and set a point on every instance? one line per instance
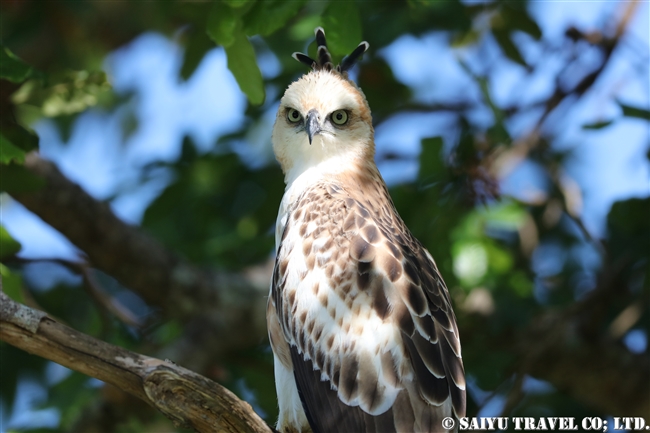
(305, 174)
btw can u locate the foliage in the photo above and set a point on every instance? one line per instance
(506, 259)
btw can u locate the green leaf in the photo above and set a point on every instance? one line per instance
(268, 16)
(12, 68)
(431, 163)
(509, 48)
(222, 24)
(12, 284)
(342, 26)
(74, 92)
(237, 3)
(17, 179)
(243, 65)
(516, 17)
(19, 138)
(630, 111)
(8, 245)
(597, 125)
(198, 45)
(9, 152)
(303, 29)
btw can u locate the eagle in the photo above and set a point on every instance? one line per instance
(360, 320)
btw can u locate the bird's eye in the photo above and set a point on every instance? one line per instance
(340, 117)
(293, 115)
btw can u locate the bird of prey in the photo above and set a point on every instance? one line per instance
(360, 320)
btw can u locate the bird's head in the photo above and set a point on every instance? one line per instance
(324, 121)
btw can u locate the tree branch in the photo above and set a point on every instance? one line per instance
(186, 398)
(143, 264)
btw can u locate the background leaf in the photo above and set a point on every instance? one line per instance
(342, 27)
(222, 24)
(630, 111)
(9, 152)
(268, 16)
(12, 68)
(243, 65)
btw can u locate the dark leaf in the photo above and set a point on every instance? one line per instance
(197, 46)
(516, 17)
(9, 152)
(18, 137)
(12, 68)
(342, 26)
(598, 125)
(243, 65)
(503, 38)
(17, 179)
(268, 16)
(431, 163)
(630, 111)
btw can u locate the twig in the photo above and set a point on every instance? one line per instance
(515, 395)
(105, 303)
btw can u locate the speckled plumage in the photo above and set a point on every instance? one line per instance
(360, 320)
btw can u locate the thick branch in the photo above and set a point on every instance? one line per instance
(188, 399)
(140, 262)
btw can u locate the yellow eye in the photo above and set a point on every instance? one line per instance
(340, 117)
(293, 115)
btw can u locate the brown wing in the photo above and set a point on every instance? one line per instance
(373, 339)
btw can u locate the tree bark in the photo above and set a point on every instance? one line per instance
(188, 399)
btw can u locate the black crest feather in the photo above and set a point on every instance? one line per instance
(324, 61)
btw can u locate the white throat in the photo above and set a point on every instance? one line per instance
(306, 173)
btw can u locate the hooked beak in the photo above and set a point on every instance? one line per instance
(311, 124)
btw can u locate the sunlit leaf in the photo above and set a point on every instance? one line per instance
(342, 26)
(8, 245)
(470, 261)
(243, 65)
(505, 215)
(75, 92)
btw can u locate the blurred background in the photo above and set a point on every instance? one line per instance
(514, 137)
